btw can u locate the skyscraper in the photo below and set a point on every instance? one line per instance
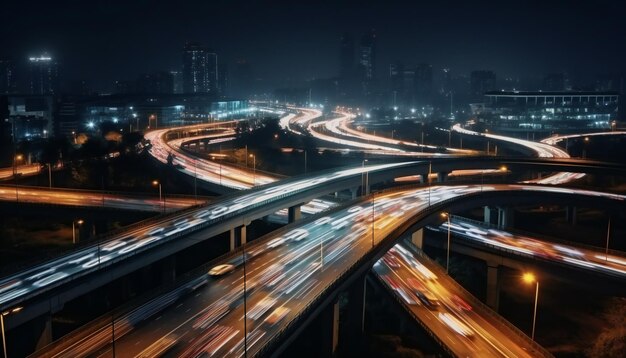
(7, 77)
(43, 75)
(367, 56)
(177, 78)
(554, 82)
(423, 83)
(199, 69)
(481, 82)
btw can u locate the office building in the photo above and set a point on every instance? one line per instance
(43, 75)
(177, 81)
(550, 110)
(367, 56)
(155, 83)
(7, 77)
(423, 84)
(346, 56)
(31, 116)
(200, 73)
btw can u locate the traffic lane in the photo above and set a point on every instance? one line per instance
(583, 258)
(487, 337)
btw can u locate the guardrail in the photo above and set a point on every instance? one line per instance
(477, 303)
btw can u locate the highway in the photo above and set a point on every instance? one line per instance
(453, 315)
(543, 150)
(593, 259)
(555, 139)
(286, 272)
(92, 198)
(23, 170)
(340, 133)
(15, 288)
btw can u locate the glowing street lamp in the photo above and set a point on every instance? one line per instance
(447, 216)
(530, 278)
(2, 315)
(253, 169)
(157, 183)
(74, 222)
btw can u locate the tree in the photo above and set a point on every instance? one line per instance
(611, 342)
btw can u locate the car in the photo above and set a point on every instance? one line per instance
(428, 299)
(220, 270)
(459, 302)
(278, 314)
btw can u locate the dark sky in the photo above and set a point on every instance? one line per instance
(105, 40)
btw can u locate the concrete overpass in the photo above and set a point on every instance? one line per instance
(420, 207)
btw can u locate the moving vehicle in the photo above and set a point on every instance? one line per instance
(220, 270)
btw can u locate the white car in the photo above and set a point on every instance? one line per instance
(220, 270)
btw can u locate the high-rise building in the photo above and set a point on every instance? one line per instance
(177, 78)
(423, 83)
(222, 79)
(44, 75)
(7, 77)
(367, 56)
(199, 69)
(346, 56)
(402, 80)
(481, 82)
(554, 82)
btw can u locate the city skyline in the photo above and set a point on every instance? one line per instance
(512, 40)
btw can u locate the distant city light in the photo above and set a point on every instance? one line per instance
(90, 124)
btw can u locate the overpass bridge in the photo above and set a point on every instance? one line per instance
(304, 266)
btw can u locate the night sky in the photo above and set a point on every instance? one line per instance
(291, 42)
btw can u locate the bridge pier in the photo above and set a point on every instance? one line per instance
(570, 214)
(424, 178)
(169, 270)
(498, 216)
(294, 214)
(45, 337)
(417, 238)
(493, 285)
(237, 237)
(442, 177)
(353, 192)
(330, 337)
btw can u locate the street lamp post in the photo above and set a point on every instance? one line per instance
(50, 175)
(74, 222)
(4, 339)
(530, 278)
(608, 237)
(157, 183)
(447, 216)
(253, 169)
(364, 178)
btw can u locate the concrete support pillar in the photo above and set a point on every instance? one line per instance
(570, 214)
(336, 194)
(424, 178)
(417, 238)
(354, 191)
(490, 215)
(237, 237)
(169, 270)
(442, 177)
(329, 330)
(505, 217)
(45, 337)
(493, 286)
(293, 213)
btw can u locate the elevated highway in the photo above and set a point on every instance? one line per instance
(302, 268)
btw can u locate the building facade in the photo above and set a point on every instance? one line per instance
(550, 110)
(43, 75)
(200, 73)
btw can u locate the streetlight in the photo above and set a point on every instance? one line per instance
(586, 141)
(364, 177)
(505, 170)
(530, 278)
(4, 340)
(253, 169)
(447, 216)
(608, 237)
(74, 222)
(157, 183)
